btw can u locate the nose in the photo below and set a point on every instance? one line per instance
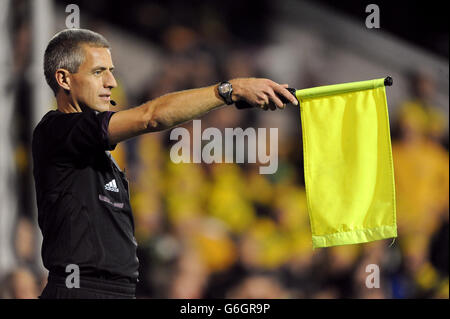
(109, 81)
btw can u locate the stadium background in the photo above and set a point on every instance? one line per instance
(225, 231)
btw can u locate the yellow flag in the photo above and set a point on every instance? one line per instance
(349, 174)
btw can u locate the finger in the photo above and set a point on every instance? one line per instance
(274, 98)
(285, 85)
(263, 101)
(282, 91)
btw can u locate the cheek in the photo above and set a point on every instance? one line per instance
(93, 91)
(88, 89)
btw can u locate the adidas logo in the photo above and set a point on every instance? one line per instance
(111, 186)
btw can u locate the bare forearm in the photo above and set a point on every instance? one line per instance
(163, 113)
(175, 108)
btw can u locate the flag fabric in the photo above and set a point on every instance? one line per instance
(349, 175)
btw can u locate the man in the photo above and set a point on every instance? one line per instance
(83, 200)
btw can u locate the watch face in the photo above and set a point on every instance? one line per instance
(225, 88)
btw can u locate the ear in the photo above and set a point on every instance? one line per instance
(63, 78)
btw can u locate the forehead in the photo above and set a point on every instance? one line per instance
(95, 56)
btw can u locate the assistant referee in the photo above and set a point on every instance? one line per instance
(84, 210)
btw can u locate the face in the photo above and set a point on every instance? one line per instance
(93, 82)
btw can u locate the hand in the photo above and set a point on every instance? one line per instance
(262, 93)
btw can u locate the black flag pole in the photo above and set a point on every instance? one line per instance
(388, 81)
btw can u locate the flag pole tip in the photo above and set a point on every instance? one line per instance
(388, 81)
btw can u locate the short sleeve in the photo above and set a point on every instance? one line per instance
(78, 134)
(104, 118)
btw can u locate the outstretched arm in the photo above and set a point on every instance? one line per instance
(175, 108)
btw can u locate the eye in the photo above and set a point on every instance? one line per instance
(97, 72)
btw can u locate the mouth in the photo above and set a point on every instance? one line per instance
(105, 97)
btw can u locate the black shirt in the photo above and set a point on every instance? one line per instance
(84, 210)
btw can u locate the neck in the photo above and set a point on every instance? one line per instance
(67, 104)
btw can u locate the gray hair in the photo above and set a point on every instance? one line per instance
(64, 51)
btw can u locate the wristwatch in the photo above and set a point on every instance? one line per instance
(225, 90)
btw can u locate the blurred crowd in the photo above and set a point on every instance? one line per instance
(226, 231)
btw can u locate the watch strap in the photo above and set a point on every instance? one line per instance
(226, 96)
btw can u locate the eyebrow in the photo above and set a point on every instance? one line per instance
(102, 68)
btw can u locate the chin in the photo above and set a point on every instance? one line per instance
(102, 107)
